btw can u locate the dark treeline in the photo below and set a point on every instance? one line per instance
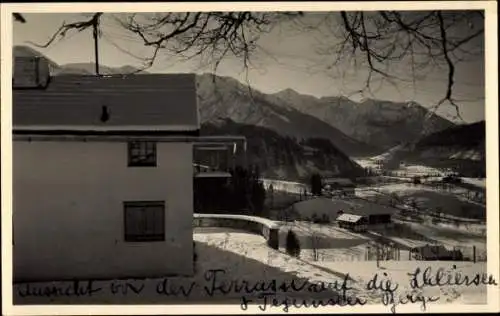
(468, 135)
(286, 157)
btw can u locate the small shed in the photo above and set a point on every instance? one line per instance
(373, 213)
(353, 222)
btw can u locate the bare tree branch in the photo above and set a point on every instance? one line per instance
(64, 28)
(217, 34)
(19, 17)
(382, 42)
(420, 41)
(451, 68)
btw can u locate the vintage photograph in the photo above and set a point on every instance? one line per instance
(272, 160)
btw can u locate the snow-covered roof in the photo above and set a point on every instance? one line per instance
(153, 102)
(349, 218)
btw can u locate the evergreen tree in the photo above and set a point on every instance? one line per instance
(292, 244)
(316, 184)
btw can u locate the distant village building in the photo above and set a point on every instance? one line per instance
(102, 174)
(435, 252)
(339, 186)
(356, 223)
(379, 162)
(362, 217)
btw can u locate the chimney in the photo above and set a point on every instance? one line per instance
(30, 72)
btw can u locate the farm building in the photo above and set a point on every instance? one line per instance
(362, 217)
(356, 223)
(102, 174)
(350, 213)
(435, 252)
(339, 186)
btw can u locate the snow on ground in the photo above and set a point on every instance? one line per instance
(366, 162)
(408, 234)
(479, 182)
(418, 170)
(336, 244)
(331, 242)
(245, 256)
(397, 188)
(471, 154)
(452, 202)
(464, 234)
(285, 186)
(409, 170)
(447, 235)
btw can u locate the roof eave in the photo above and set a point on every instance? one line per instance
(114, 132)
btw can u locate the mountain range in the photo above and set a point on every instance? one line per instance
(225, 97)
(382, 124)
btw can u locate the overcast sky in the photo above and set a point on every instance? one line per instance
(290, 58)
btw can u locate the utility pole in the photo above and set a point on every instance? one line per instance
(95, 29)
(96, 46)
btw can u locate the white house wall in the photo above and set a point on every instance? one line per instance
(68, 210)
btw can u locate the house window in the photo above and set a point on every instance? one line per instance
(141, 154)
(144, 221)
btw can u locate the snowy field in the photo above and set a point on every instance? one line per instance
(337, 244)
(451, 202)
(331, 242)
(467, 233)
(446, 235)
(245, 256)
(410, 170)
(480, 183)
(366, 162)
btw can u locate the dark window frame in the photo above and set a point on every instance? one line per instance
(142, 154)
(142, 206)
